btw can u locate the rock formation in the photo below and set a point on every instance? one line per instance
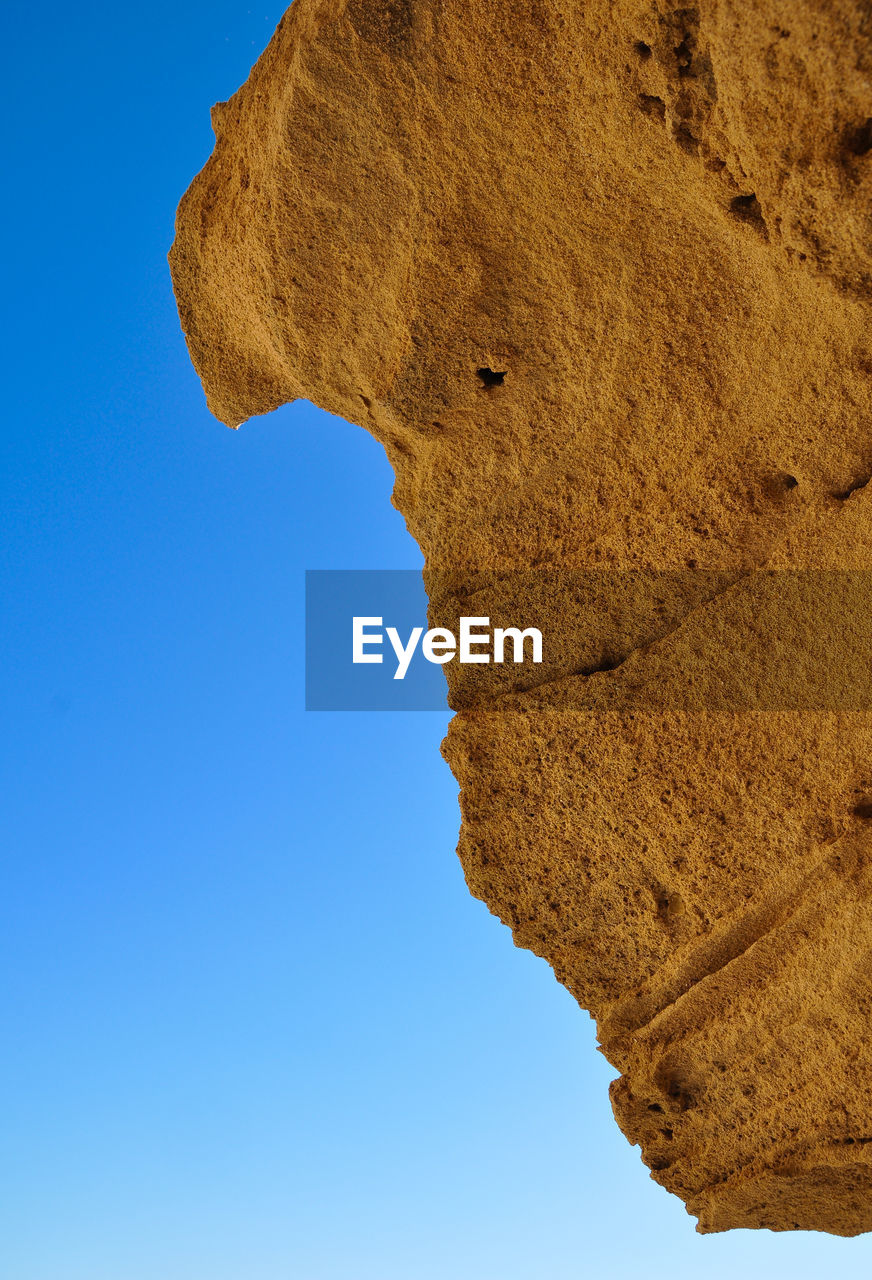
(599, 278)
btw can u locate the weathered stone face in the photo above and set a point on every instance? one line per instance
(599, 277)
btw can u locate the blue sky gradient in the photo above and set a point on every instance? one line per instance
(254, 1027)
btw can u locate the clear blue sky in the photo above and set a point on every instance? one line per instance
(254, 1028)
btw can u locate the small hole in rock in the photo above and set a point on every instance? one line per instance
(684, 56)
(678, 1089)
(492, 377)
(863, 809)
(747, 209)
(687, 140)
(860, 139)
(777, 485)
(655, 1106)
(643, 49)
(669, 905)
(652, 105)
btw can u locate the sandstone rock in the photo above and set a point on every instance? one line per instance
(598, 276)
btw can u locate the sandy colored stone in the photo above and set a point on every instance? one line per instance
(656, 222)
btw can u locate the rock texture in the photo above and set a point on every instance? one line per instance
(599, 277)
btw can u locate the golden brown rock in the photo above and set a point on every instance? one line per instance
(656, 222)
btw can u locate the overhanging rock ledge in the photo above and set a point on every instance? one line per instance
(656, 221)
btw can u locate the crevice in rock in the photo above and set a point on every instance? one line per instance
(855, 487)
(615, 661)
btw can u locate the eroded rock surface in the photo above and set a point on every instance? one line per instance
(655, 221)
